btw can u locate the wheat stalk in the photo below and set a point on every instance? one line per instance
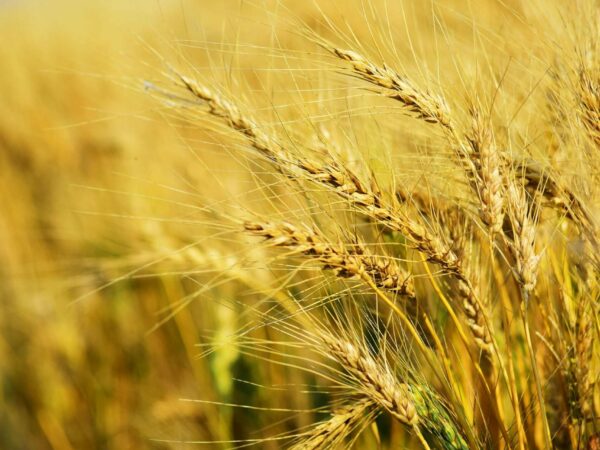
(584, 345)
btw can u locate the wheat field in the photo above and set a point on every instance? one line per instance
(273, 224)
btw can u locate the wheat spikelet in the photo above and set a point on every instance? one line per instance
(221, 107)
(433, 109)
(523, 237)
(413, 405)
(486, 173)
(436, 421)
(334, 176)
(477, 152)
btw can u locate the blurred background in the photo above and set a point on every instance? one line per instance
(79, 137)
(91, 356)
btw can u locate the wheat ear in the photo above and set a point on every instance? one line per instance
(523, 237)
(422, 104)
(373, 379)
(345, 260)
(522, 246)
(433, 109)
(332, 432)
(412, 405)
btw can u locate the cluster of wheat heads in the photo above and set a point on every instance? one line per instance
(468, 323)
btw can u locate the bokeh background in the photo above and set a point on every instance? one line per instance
(90, 355)
(79, 137)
